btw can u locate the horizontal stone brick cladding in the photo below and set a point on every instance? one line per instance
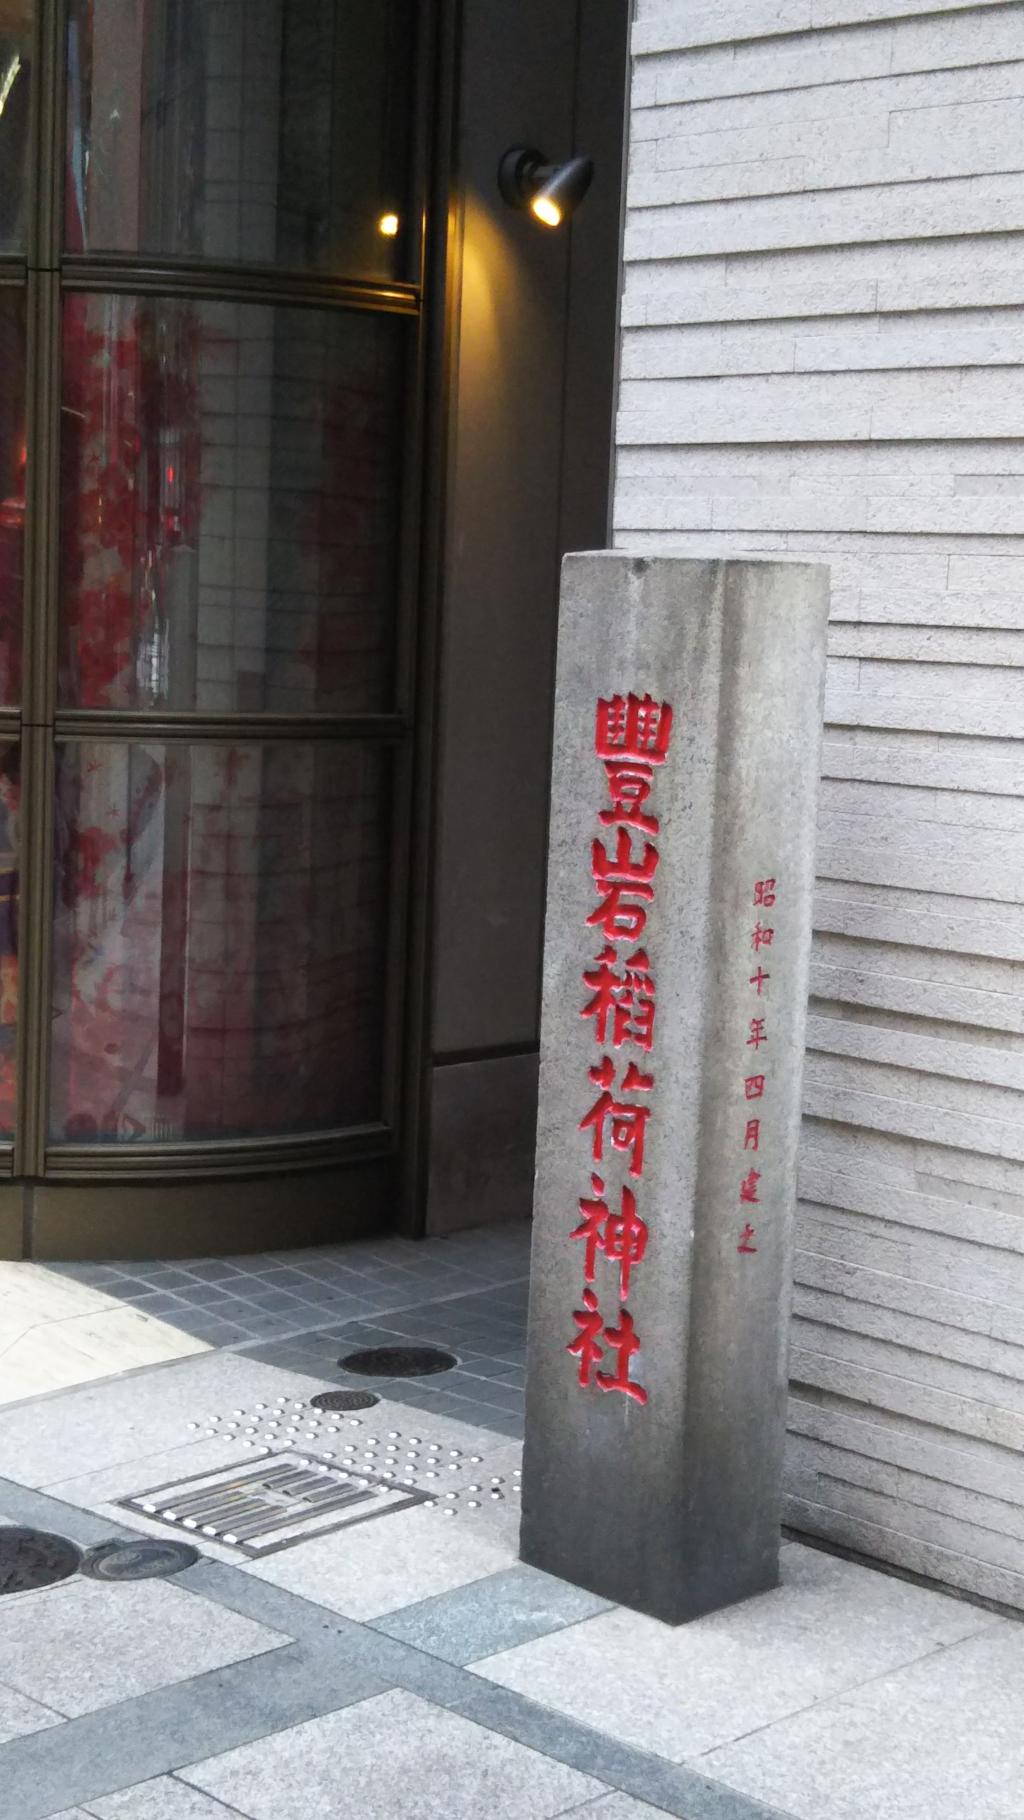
(823, 354)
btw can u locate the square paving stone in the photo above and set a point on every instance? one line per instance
(164, 1798)
(19, 1715)
(828, 1627)
(389, 1562)
(85, 1644)
(939, 1740)
(492, 1614)
(393, 1755)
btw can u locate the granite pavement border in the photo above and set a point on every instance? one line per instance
(330, 1662)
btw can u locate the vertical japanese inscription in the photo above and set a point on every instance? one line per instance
(762, 936)
(631, 740)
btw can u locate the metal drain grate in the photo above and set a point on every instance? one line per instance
(276, 1504)
(398, 1361)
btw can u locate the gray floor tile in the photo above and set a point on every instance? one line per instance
(162, 1798)
(493, 1614)
(158, 1733)
(396, 1561)
(164, 1276)
(207, 1295)
(277, 1301)
(493, 1395)
(156, 1301)
(933, 1742)
(215, 1270)
(20, 1715)
(614, 1807)
(392, 1755)
(216, 1333)
(830, 1626)
(485, 1367)
(84, 1645)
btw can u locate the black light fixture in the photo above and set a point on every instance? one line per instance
(550, 192)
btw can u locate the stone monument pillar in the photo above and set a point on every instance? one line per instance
(681, 868)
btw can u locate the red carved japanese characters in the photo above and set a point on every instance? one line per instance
(764, 895)
(631, 739)
(626, 1121)
(621, 1237)
(633, 729)
(623, 1001)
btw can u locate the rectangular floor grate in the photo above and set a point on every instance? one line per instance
(271, 1504)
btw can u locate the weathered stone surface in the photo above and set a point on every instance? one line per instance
(672, 1505)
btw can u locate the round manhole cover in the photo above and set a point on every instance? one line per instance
(344, 1399)
(31, 1558)
(398, 1361)
(143, 1560)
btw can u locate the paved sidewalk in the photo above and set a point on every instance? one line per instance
(407, 1665)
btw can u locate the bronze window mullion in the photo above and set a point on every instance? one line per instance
(141, 276)
(157, 726)
(41, 550)
(198, 1161)
(42, 497)
(46, 137)
(35, 923)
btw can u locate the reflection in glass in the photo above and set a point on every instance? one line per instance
(12, 491)
(10, 797)
(16, 18)
(274, 131)
(219, 942)
(231, 479)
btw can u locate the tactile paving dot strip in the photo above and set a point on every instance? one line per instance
(407, 1461)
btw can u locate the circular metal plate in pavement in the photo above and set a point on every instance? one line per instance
(146, 1559)
(31, 1558)
(344, 1399)
(398, 1361)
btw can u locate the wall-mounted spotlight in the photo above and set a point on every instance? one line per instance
(388, 224)
(550, 192)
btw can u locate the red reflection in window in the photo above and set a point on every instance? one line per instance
(219, 941)
(10, 797)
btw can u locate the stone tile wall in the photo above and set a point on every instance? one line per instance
(822, 355)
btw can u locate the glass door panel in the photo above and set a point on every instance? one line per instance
(270, 131)
(17, 19)
(231, 506)
(220, 944)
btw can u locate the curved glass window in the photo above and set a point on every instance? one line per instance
(17, 19)
(220, 939)
(266, 131)
(231, 494)
(205, 734)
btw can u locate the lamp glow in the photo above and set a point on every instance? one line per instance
(388, 224)
(548, 192)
